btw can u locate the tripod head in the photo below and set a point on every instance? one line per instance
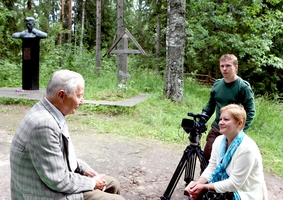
(195, 127)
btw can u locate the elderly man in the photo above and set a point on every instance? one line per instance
(42, 158)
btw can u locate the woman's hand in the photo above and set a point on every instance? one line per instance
(195, 188)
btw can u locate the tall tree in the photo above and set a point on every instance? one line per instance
(70, 21)
(98, 35)
(29, 4)
(176, 37)
(158, 33)
(62, 13)
(82, 28)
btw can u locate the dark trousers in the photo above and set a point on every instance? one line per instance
(212, 195)
(211, 136)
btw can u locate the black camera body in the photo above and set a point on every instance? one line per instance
(195, 127)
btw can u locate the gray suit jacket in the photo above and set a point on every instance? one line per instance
(38, 159)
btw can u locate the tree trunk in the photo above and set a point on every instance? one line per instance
(98, 35)
(29, 5)
(70, 21)
(176, 37)
(158, 34)
(82, 30)
(61, 23)
(120, 29)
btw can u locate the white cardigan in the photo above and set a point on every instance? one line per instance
(245, 171)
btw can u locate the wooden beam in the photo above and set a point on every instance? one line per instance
(124, 51)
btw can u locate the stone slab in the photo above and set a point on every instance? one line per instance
(39, 94)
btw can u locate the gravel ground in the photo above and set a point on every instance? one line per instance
(143, 167)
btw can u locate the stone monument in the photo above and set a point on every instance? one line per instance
(30, 54)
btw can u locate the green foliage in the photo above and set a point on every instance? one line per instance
(141, 80)
(6, 31)
(149, 14)
(10, 75)
(247, 29)
(265, 131)
(108, 110)
(252, 30)
(21, 102)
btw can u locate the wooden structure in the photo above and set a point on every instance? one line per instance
(125, 51)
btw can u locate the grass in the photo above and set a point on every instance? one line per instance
(160, 118)
(266, 130)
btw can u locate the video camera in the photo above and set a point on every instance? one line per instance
(196, 126)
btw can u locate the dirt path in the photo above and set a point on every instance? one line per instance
(144, 167)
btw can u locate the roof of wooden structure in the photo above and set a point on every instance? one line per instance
(126, 32)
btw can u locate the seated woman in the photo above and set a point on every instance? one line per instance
(235, 170)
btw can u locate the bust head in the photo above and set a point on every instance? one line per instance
(30, 22)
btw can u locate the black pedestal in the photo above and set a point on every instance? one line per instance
(30, 65)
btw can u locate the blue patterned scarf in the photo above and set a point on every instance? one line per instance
(224, 158)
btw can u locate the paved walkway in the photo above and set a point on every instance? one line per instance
(38, 94)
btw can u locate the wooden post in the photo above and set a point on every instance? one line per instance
(98, 35)
(125, 59)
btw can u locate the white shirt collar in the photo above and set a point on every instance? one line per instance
(59, 115)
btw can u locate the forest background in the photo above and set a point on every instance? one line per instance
(250, 29)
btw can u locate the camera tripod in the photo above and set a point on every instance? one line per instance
(188, 162)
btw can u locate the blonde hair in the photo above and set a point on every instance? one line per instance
(237, 111)
(229, 57)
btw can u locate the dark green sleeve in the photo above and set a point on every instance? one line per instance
(211, 104)
(248, 103)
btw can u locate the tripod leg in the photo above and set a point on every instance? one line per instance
(190, 168)
(177, 174)
(202, 159)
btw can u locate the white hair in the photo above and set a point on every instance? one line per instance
(64, 80)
